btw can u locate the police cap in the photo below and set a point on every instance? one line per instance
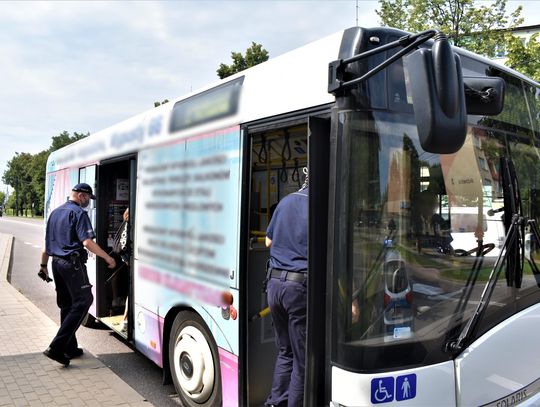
(83, 187)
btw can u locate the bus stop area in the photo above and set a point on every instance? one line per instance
(28, 378)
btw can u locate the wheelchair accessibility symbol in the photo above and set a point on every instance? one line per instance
(382, 390)
(385, 389)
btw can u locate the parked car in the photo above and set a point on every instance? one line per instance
(464, 224)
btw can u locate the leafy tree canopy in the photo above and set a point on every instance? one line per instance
(525, 58)
(254, 55)
(25, 173)
(484, 29)
(478, 28)
(156, 104)
(64, 139)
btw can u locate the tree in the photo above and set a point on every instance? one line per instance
(64, 139)
(524, 58)
(481, 29)
(37, 170)
(156, 104)
(26, 175)
(10, 203)
(17, 176)
(254, 55)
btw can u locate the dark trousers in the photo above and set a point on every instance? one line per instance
(287, 301)
(74, 297)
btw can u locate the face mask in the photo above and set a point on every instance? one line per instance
(85, 203)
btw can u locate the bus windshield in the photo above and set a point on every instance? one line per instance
(421, 236)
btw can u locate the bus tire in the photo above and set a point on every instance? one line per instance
(194, 361)
(89, 321)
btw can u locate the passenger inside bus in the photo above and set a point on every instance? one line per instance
(121, 251)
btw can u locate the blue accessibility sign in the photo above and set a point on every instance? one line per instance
(406, 387)
(382, 390)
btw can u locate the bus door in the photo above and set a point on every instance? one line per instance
(88, 175)
(115, 195)
(279, 155)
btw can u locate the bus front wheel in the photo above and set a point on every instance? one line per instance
(194, 361)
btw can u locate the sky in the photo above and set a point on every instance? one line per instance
(84, 66)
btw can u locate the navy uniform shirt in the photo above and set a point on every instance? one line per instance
(288, 231)
(68, 226)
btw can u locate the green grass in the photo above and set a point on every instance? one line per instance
(11, 213)
(463, 274)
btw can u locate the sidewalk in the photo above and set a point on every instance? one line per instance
(28, 378)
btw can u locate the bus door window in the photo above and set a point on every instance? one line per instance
(88, 176)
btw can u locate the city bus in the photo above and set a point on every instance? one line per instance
(413, 148)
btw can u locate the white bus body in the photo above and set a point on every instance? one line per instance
(201, 174)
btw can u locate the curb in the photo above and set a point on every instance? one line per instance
(6, 244)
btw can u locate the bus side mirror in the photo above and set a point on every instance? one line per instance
(435, 83)
(484, 96)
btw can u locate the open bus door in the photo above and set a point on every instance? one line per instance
(279, 153)
(116, 185)
(88, 175)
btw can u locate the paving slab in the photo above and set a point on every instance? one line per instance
(28, 378)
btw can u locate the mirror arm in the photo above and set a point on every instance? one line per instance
(336, 68)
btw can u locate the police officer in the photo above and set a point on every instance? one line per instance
(287, 238)
(68, 233)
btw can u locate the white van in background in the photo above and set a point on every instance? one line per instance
(463, 224)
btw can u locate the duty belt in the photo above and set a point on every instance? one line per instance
(67, 258)
(298, 276)
(73, 256)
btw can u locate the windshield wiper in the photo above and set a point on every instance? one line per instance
(467, 291)
(459, 344)
(510, 254)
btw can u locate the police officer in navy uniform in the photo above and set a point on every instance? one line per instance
(287, 237)
(68, 233)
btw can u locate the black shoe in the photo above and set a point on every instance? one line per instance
(77, 352)
(57, 357)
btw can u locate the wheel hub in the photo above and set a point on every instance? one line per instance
(186, 364)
